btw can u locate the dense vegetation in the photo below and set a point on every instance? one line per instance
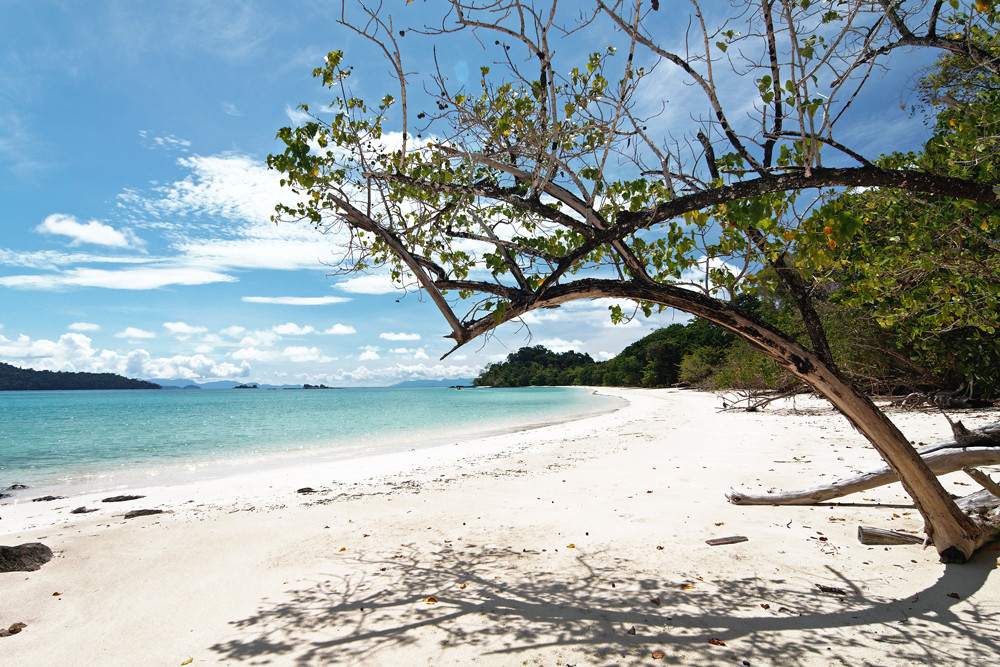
(13, 378)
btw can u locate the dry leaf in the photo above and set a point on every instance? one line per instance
(716, 642)
(188, 661)
(571, 546)
(659, 548)
(721, 523)
(655, 601)
(954, 595)
(837, 518)
(686, 587)
(430, 599)
(765, 605)
(657, 655)
(462, 587)
(630, 631)
(343, 548)
(56, 593)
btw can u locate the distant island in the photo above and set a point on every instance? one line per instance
(13, 378)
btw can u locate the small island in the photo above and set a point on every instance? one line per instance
(13, 378)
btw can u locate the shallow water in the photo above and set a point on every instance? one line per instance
(99, 438)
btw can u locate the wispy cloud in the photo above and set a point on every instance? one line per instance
(125, 279)
(292, 329)
(340, 330)
(296, 300)
(84, 326)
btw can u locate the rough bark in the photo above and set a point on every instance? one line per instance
(877, 536)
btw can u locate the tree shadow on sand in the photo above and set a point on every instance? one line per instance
(500, 602)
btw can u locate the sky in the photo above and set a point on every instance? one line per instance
(135, 204)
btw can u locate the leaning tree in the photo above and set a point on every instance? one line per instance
(660, 155)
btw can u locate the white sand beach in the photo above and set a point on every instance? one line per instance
(574, 544)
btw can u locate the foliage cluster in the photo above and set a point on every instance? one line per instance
(13, 378)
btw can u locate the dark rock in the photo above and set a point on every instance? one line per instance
(4, 495)
(121, 499)
(16, 487)
(46, 498)
(83, 510)
(306, 489)
(135, 513)
(24, 558)
(13, 629)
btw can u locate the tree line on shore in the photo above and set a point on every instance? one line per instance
(13, 378)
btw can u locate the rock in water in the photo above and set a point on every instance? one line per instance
(24, 558)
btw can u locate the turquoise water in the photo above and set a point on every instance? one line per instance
(72, 437)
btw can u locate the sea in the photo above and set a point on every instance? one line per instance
(97, 440)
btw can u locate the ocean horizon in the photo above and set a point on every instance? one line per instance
(67, 442)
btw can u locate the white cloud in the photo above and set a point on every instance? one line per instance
(417, 353)
(340, 330)
(183, 330)
(127, 279)
(300, 354)
(296, 300)
(561, 345)
(378, 284)
(370, 353)
(388, 335)
(259, 338)
(296, 116)
(93, 232)
(390, 374)
(134, 333)
(232, 331)
(84, 326)
(292, 329)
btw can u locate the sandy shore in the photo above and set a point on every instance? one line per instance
(575, 544)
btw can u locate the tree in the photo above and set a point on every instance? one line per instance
(550, 177)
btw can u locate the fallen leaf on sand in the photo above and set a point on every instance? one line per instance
(343, 548)
(630, 631)
(188, 661)
(462, 586)
(765, 605)
(658, 655)
(430, 599)
(721, 523)
(838, 518)
(686, 587)
(571, 546)
(655, 601)
(56, 593)
(955, 595)
(659, 548)
(716, 642)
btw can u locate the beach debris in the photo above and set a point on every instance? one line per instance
(764, 605)
(136, 513)
(46, 498)
(25, 557)
(56, 594)
(716, 642)
(655, 601)
(188, 661)
(955, 595)
(658, 655)
(430, 599)
(631, 631)
(121, 499)
(13, 629)
(871, 535)
(306, 489)
(833, 590)
(83, 510)
(732, 539)
(571, 546)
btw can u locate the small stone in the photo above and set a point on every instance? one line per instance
(306, 489)
(46, 499)
(134, 513)
(121, 499)
(83, 510)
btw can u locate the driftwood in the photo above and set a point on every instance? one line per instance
(966, 449)
(983, 479)
(872, 535)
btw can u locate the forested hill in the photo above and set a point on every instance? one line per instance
(13, 378)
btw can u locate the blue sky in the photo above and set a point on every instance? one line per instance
(135, 204)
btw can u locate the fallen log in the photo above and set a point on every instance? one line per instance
(941, 461)
(871, 535)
